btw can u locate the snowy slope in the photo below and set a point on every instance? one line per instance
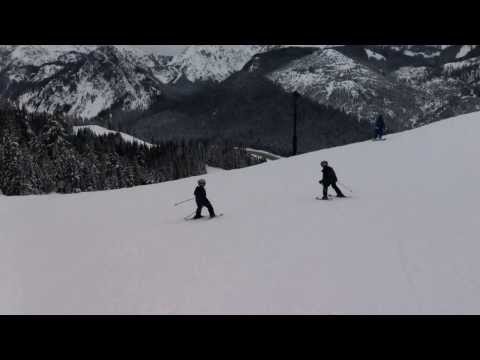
(99, 131)
(329, 77)
(80, 81)
(38, 55)
(263, 154)
(464, 50)
(409, 84)
(406, 243)
(215, 62)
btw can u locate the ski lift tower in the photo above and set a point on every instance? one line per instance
(296, 96)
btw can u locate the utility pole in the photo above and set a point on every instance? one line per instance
(296, 95)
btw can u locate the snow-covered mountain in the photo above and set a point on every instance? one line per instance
(79, 81)
(37, 55)
(211, 62)
(410, 84)
(332, 78)
(83, 81)
(400, 245)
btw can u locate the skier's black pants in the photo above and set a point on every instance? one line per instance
(204, 203)
(334, 186)
(378, 133)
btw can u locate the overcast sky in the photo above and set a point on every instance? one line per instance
(164, 49)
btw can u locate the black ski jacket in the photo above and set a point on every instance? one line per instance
(380, 124)
(200, 194)
(329, 176)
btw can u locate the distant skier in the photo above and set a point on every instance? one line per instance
(379, 128)
(329, 179)
(201, 199)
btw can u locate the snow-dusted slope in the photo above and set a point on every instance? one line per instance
(329, 77)
(84, 81)
(409, 85)
(464, 50)
(79, 81)
(99, 131)
(406, 243)
(215, 62)
(38, 55)
(211, 62)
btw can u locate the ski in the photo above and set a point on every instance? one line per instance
(188, 218)
(191, 217)
(331, 197)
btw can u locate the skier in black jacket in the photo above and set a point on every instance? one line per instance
(329, 179)
(201, 199)
(379, 128)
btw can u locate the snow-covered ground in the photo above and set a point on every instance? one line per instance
(374, 55)
(464, 50)
(99, 131)
(212, 170)
(407, 242)
(263, 154)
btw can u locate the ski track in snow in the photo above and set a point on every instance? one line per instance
(405, 243)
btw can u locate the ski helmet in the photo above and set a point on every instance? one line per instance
(324, 163)
(201, 182)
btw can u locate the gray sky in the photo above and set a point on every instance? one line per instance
(164, 49)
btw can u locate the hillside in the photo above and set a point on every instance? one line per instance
(411, 84)
(343, 89)
(99, 131)
(252, 111)
(405, 243)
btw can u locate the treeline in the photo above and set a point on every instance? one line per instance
(39, 154)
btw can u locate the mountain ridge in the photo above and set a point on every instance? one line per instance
(410, 84)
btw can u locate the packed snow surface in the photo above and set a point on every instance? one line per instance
(407, 242)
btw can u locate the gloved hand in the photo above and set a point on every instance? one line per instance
(320, 182)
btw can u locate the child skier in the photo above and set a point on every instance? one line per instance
(329, 179)
(201, 200)
(379, 128)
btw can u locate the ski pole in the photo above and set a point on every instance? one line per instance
(182, 202)
(346, 187)
(190, 215)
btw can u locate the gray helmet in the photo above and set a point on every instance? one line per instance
(201, 182)
(324, 163)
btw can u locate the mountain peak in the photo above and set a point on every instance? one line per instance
(214, 62)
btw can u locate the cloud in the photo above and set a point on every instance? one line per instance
(163, 49)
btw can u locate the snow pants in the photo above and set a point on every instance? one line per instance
(334, 186)
(204, 203)
(378, 133)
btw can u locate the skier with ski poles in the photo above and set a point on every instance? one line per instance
(202, 201)
(379, 128)
(329, 179)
